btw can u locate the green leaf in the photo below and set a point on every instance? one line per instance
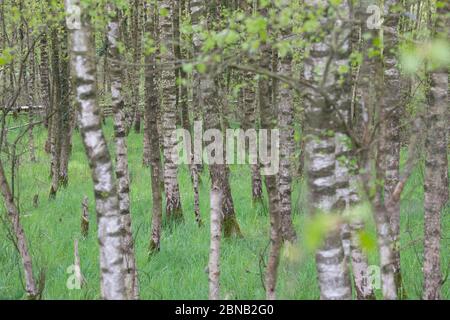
(439, 53)
(188, 67)
(256, 25)
(163, 12)
(201, 67)
(343, 69)
(410, 60)
(335, 2)
(311, 25)
(6, 57)
(317, 227)
(231, 37)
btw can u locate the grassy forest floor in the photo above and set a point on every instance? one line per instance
(178, 271)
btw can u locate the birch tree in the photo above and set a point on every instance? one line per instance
(122, 172)
(214, 251)
(392, 108)
(151, 115)
(285, 104)
(436, 182)
(219, 172)
(270, 180)
(321, 70)
(173, 200)
(110, 227)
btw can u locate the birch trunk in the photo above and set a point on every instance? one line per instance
(267, 122)
(346, 176)
(209, 100)
(196, 12)
(55, 143)
(33, 100)
(173, 200)
(44, 79)
(66, 119)
(137, 55)
(384, 239)
(286, 122)
(110, 227)
(436, 182)
(182, 105)
(122, 172)
(214, 250)
(250, 122)
(151, 116)
(392, 104)
(321, 69)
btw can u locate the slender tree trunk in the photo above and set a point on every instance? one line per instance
(85, 217)
(346, 176)
(146, 143)
(20, 240)
(196, 12)
(384, 239)
(44, 79)
(210, 95)
(122, 172)
(214, 251)
(137, 54)
(66, 119)
(251, 117)
(392, 105)
(55, 144)
(218, 171)
(151, 115)
(270, 180)
(31, 95)
(182, 105)
(436, 167)
(177, 55)
(322, 69)
(110, 227)
(250, 122)
(33, 100)
(173, 200)
(285, 104)
(366, 96)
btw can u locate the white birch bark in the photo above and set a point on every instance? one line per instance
(122, 172)
(214, 249)
(110, 227)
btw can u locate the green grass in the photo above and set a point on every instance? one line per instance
(178, 271)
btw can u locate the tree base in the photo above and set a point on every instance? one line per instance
(231, 227)
(153, 248)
